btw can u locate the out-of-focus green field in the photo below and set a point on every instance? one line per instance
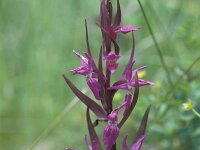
(36, 42)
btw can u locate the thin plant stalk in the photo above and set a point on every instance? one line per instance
(157, 46)
(55, 122)
(195, 112)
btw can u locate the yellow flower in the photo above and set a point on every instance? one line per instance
(141, 73)
(188, 105)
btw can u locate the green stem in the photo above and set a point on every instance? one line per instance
(181, 77)
(157, 46)
(196, 113)
(55, 122)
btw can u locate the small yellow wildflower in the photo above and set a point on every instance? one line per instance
(141, 73)
(188, 105)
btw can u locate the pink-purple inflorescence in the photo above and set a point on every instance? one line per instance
(98, 80)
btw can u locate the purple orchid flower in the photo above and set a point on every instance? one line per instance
(88, 69)
(111, 61)
(111, 131)
(88, 66)
(129, 81)
(136, 145)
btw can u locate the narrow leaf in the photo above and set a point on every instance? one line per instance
(93, 135)
(86, 100)
(124, 145)
(141, 131)
(109, 8)
(143, 125)
(133, 103)
(117, 20)
(131, 59)
(87, 39)
(117, 50)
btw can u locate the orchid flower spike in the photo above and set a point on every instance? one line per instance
(88, 69)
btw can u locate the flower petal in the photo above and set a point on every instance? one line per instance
(125, 29)
(111, 61)
(122, 86)
(83, 60)
(94, 86)
(141, 83)
(110, 134)
(82, 70)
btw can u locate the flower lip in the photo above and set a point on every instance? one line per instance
(111, 61)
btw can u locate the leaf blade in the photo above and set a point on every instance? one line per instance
(86, 100)
(93, 135)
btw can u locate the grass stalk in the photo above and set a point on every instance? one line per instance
(55, 122)
(157, 46)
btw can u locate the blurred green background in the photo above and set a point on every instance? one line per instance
(36, 42)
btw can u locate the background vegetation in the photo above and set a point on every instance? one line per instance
(36, 42)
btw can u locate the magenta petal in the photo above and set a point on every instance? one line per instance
(113, 116)
(112, 67)
(83, 60)
(124, 145)
(141, 83)
(111, 61)
(123, 86)
(94, 86)
(125, 29)
(112, 56)
(137, 144)
(91, 63)
(110, 134)
(82, 70)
